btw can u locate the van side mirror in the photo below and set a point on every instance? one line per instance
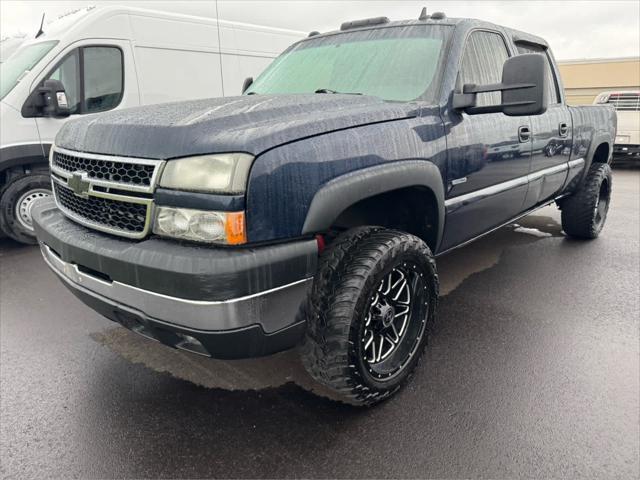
(523, 87)
(48, 100)
(247, 83)
(55, 99)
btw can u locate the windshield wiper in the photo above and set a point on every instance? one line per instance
(328, 90)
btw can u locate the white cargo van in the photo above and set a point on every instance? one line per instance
(111, 58)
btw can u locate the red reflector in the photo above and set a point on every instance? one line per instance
(321, 244)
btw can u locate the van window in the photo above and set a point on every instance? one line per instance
(102, 78)
(484, 57)
(68, 72)
(19, 63)
(100, 69)
(552, 83)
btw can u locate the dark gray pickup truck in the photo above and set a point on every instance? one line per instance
(309, 211)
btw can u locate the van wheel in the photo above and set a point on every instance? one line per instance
(369, 313)
(16, 202)
(585, 212)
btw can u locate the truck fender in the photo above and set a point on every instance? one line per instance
(595, 143)
(338, 194)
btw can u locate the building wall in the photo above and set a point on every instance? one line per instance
(584, 79)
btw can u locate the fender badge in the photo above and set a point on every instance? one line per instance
(458, 181)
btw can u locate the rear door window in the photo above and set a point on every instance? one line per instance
(552, 83)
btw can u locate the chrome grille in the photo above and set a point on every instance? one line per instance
(629, 101)
(107, 193)
(127, 217)
(109, 170)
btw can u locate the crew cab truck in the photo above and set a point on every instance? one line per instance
(309, 210)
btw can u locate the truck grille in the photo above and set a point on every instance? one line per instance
(629, 101)
(108, 170)
(107, 193)
(116, 215)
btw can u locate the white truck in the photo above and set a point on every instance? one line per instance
(110, 58)
(627, 105)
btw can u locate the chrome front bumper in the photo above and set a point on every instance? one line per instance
(273, 309)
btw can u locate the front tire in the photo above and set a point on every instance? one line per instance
(584, 213)
(15, 205)
(369, 313)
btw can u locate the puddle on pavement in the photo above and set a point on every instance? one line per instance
(286, 367)
(250, 374)
(455, 267)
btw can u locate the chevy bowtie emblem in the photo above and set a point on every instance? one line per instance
(78, 184)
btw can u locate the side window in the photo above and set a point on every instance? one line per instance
(68, 72)
(484, 57)
(92, 77)
(103, 78)
(552, 83)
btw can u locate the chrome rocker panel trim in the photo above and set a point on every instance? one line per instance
(273, 309)
(453, 203)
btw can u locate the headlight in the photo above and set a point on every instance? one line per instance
(223, 173)
(200, 225)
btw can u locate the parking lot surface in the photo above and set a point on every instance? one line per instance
(532, 371)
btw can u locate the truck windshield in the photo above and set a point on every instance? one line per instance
(20, 62)
(393, 63)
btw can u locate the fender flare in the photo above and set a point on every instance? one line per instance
(25, 154)
(338, 194)
(597, 141)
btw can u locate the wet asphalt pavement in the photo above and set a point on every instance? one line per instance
(533, 371)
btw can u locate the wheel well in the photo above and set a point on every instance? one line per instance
(9, 174)
(601, 154)
(412, 209)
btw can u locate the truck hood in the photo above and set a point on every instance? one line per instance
(249, 123)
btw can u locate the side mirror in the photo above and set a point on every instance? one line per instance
(523, 87)
(247, 83)
(49, 100)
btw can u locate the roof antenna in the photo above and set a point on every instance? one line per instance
(423, 14)
(40, 32)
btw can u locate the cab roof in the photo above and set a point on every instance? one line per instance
(437, 19)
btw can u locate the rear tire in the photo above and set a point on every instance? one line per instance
(369, 313)
(16, 202)
(584, 213)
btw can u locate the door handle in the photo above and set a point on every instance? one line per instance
(563, 129)
(524, 134)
